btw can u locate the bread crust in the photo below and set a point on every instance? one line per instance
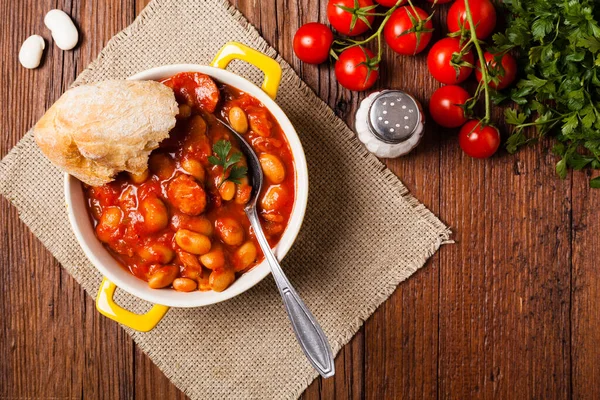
(97, 130)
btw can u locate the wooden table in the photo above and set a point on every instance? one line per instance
(506, 312)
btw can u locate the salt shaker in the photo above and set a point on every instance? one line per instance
(390, 123)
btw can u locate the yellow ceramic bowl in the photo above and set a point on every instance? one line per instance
(117, 276)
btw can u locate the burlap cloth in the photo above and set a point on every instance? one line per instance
(362, 235)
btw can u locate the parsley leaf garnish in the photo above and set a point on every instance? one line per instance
(236, 174)
(558, 44)
(231, 172)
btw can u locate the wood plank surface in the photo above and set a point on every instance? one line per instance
(509, 311)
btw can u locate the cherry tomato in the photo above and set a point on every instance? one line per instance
(342, 20)
(389, 3)
(312, 43)
(479, 142)
(438, 62)
(509, 65)
(354, 69)
(444, 106)
(482, 11)
(397, 35)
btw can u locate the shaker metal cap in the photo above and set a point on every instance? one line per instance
(394, 116)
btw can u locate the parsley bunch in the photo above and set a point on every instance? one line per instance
(222, 158)
(558, 42)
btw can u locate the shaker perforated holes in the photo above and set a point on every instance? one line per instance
(392, 116)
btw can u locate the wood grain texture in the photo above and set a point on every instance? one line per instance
(585, 290)
(509, 311)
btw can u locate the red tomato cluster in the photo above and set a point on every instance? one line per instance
(407, 30)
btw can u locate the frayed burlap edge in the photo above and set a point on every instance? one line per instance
(346, 137)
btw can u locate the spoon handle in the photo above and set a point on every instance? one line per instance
(308, 331)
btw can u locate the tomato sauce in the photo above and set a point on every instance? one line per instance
(182, 223)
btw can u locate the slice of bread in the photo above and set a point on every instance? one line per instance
(97, 130)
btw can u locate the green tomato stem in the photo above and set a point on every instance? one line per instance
(377, 33)
(414, 10)
(379, 48)
(537, 123)
(482, 62)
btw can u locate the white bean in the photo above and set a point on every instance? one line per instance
(31, 51)
(63, 29)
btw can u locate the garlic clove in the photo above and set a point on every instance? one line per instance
(64, 31)
(30, 54)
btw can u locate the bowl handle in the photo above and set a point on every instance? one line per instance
(140, 322)
(271, 68)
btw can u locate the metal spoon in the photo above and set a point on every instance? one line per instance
(309, 334)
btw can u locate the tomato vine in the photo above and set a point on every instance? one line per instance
(339, 45)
